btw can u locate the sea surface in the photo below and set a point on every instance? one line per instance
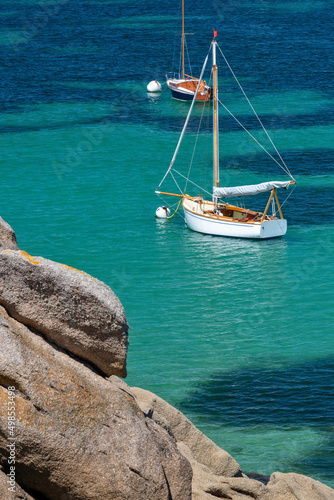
(236, 334)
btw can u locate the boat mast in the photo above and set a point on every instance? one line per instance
(182, 38)
(215, 114)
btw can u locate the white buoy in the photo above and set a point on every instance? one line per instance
(154, 86)
(162, 213)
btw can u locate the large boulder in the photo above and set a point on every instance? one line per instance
(77, 312)
(202, 449)
(78, 435)
(215, 473)
(296, 487)
(208, 486)
(7, 236)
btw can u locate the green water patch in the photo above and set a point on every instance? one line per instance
(130, 86)
(75, 49)
(233, 144)
(63, 153)
(237, 324)
(288, 404)
(282, 104)
(288, 139)
(286, 103)
(228, 176)
(109, 2)
(316, 181)
(83, 85)
(55, 115)
(12, 38)
(144, 22)
(242, 158)
(299, 7)
(246, 313)
(277, 448)
(157, 22)
(39, 3)
(9, 13)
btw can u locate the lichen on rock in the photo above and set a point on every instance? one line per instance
(70, 308)
(7, 236)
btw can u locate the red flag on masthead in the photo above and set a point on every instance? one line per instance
(215, 33)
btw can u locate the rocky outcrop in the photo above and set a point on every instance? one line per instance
(78, 435)
(192, 442)
(280, 487)
(7, 236)
(215, 473)
(75, 311)
(296, 487)
(8, 492)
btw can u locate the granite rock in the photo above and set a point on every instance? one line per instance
(215, 473)
(293, 486)
(7, 236)
(78, 435)
(8, 492)
(72, 309)
(203, 450)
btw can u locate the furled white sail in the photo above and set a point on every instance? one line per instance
(233, 192)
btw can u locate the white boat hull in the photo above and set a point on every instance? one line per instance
(218, 226)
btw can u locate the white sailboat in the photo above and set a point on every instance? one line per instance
(182, 86)
(217, 216)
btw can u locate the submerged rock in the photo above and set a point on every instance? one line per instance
(74, 310)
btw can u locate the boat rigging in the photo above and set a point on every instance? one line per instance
(182, 86)
(216, 216)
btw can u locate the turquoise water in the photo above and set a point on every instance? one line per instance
(237, 334)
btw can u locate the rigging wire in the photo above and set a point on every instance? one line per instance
(171, 169)
(185, 124)
(180, 49)
(195, 145)
(175, 45)
(182, 192)
(288, 196)
(170, 206)
(264, 149)
(180, 61)
(191, 182)
(186, 46)
(207, 129)
(286, 169)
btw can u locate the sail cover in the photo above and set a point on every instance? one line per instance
(232, 192)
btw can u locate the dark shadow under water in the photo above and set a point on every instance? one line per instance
(293, 398)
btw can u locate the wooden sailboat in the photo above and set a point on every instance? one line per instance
(216, 216)
(183, 87)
